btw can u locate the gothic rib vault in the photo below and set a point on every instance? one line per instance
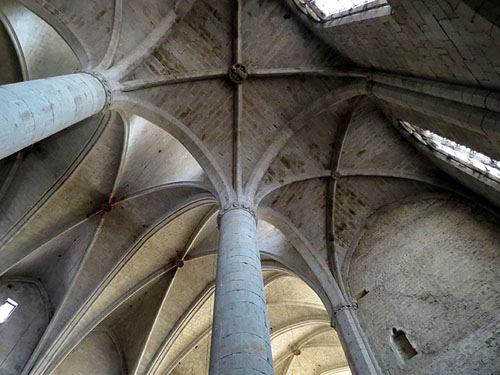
(109, 227)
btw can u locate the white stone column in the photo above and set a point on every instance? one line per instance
(361, 359)
(33, 110)
(241, 343)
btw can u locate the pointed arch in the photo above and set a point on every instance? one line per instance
(181, 132)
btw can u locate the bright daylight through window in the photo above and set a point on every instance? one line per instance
(460, 153)
(324, 10)
(7, 309)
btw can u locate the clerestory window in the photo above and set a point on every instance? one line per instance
(460, 153)
(7, 309)
(333, 12)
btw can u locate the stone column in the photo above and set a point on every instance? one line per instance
(241, 343)
(360, 358)
(33, 110)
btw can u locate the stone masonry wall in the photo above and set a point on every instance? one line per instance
(431, 270)
(444, 39)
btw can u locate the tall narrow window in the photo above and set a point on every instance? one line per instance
(329, 10)
(7, 309)
(464, 155)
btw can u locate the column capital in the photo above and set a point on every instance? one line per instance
(236, 206)
(105, 83)
(352, 306)
(348, 306)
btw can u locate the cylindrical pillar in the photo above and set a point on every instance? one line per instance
(33, 110)
(361, 359)
(241, 343)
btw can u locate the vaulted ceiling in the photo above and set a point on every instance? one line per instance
(114, 218)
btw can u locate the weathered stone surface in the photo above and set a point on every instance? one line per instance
(102, 215)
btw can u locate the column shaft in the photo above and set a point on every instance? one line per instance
(241, 343)
(361, 361)
(33, 110)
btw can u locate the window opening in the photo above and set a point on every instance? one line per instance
(460, 153)
(403, 346)
(7, 309)
(326, 10)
